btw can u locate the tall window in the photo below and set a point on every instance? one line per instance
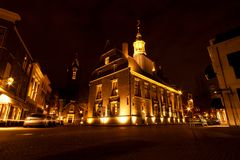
(97, 111)
(114, 108)
(155, 109)
(146, 90)
(163, 101)
(154, 92)
(137, 90)
(99, 91)
(33, 89)
(114, 87)
(24, 65)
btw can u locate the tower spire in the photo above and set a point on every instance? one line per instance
(138, 36)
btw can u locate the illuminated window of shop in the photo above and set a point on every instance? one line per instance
(99, 91)
(137, 90)
(114, 87)
(3, 110)
(146, 90)
(114, 108)
(107, 60)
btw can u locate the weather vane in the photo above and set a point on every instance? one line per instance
(138, 25)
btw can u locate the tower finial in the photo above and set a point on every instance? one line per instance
(138, 25)
(139, 36)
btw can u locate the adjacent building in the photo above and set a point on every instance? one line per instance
(19, 76)
(39, 90)
(126, 90)
(15, 68)
(224, 52)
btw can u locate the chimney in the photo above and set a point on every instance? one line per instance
(125, 49)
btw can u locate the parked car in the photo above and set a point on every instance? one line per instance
(197, 120)
(38, 119)
(213, 121)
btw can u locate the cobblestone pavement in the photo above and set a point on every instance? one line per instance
(130, 142)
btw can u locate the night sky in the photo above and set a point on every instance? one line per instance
(176, 32)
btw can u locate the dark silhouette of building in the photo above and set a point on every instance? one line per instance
(73, 81)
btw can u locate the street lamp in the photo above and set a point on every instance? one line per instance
(10, 81)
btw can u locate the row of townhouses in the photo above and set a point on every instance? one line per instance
(24, 88)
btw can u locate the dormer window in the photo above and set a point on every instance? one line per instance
(106, 60)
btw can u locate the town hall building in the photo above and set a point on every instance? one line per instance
(126, 90)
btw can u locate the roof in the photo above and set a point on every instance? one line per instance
(227, 35)
(121, 62)
(9, 15)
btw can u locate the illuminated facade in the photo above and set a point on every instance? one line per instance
(39, 90)
(224, 52)
(126, 90)
(15, 68)
(21, 80)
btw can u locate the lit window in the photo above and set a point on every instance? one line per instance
(114, 87)
(107, 60)
(155, 109)
(146, 90)
(163, 101)
(114, 108)
(97, 111)
(154, 92)
(137, 90)
(99, 91)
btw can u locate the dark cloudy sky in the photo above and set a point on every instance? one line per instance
(176, 32)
